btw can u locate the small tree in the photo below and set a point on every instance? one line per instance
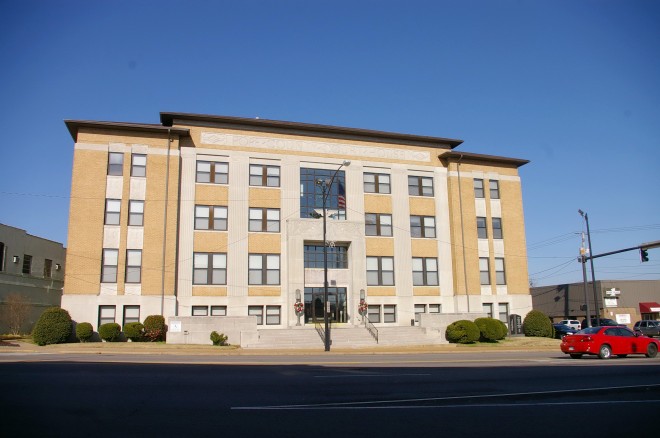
(462, 332)
(15, 311)
(84, 331)
(134, 331)
(110, 331)
(490, 329)
(54, 326)
(218, 338)
(537, 324)
(155, 328)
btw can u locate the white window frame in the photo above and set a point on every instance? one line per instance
(112, 211)
(138, 165)
(133, 272)
(109, 263)
(136, 213)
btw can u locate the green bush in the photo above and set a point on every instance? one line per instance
(110, 331)
(84, 331)
(134, 331)
(503, 329)
(537, 324)
(155, 328)
(462, 332)
(218, 338)
(54, 326)
(491, 330)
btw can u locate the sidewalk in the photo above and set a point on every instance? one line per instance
(150, 348)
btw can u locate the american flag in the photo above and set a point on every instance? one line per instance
(341, 196)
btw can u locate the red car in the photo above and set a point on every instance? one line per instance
(606, 341)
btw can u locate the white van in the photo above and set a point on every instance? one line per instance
(572, 323)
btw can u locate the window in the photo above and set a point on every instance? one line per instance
(337, 257)
(257, 311)
(112, 210)
(378, 224)
(482, 233)
(434, 308)
(115, 163)
(209, 268)
(376, 183)
(265, 219)
(389, 313)
(133, 266)
(504, 312)
(311, 194)
(264, 269)
(48, 268)
(136, 213)
(484, 270)
(497, 228)
(109, 266)
(422, 226)
(488, 309)
(478, 188)
(373, 313)
(425, 271)
(210, 217)
(272, 315)
(212, 172)
(419, 309)
(266, 176)
(500, 277)
(218, 310)
(494, 189)
(138, 165)
(420, 186)
(380, 271)
(27, 264)
(131, 314)
(106, 314)
(200, 311)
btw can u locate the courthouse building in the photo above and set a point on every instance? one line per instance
(207, 215)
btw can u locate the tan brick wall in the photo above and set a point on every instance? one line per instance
(377, 204)
(515, 246)
(264, 243)
(424, 248)
(379, 246)
(426, 291)
(265, 198)
(264, 291)
(380, 291)
(210, 241)
(209, 291)
(211, 194)
(422, 206)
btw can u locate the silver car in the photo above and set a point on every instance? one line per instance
(648, 328)
(571, 323)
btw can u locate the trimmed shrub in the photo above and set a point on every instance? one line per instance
(491, 330)
(110, 331)
(218, 338)
(462, 332)
(84, 331)
(155, 328)
(134, 331)
(504, 330)
(54, 326)
(537, 324)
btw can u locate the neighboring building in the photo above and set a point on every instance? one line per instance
(31, 277)
(625, 301)
(219, 216)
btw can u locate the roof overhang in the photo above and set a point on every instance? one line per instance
(467, 156)
(75, 125)
(650, 307)
(296, 128)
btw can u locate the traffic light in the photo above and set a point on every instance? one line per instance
(644, 255)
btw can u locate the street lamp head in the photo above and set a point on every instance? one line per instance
(581, 212)
(346, 163)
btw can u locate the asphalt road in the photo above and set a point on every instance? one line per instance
(501, 394)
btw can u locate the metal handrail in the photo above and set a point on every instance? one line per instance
(320, 330)
(371, 328)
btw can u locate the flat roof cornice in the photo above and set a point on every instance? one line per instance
(75, 125)
(170, 119)
(467, 156)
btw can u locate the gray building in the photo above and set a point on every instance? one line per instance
(31, 278)
(625, 301)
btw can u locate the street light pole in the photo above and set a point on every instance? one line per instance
(591, 262)
(326, 185)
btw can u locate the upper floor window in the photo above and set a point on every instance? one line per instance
(337, 257)
(484, 271)
(420, 186)
(112, 211)
(380, 271)
(264, 269)
(500, 275)
(478, 188)
(116, 163)
(494, 189)
(27, 264)
(422, 226)
(312, 182)
(378, 224)
(133, 266)
(136, 213)
(266, 176)
(209, 268)
(48, 268)
(139, 165)
(482, 232)
(497, 228)
(212, 172)
(265, 219)
(210, 217)
(109, 266)
(425, 271)
(376, 183)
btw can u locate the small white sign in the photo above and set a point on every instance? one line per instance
(612, 292)
(611, 302)
(623, 318)
(175, 326)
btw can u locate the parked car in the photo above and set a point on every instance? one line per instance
(562, 330)
(571, 323)
(602, 322)
(648, 328)
(608, 341)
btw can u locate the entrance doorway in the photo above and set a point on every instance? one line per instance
(314, 304)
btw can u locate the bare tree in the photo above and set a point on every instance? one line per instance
(15, 311)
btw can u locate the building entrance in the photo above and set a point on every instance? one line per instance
(314, 304)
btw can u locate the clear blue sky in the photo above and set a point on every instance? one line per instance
(573, 86)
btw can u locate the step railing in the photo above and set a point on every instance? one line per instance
(320, 330)
(371, 328)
